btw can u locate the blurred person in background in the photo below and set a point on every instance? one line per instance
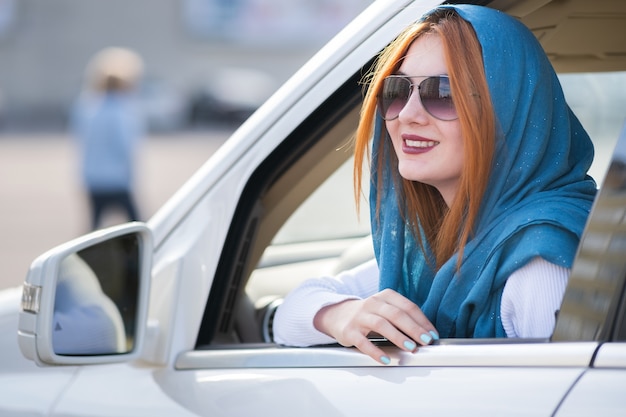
(109, 126)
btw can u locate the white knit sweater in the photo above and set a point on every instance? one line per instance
(531, 296)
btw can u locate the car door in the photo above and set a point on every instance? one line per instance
(578, 372)
(525, 377)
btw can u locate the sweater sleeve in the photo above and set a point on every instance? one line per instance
(293, 323)
(531, 297)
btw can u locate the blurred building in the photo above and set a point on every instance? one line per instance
(44, 46)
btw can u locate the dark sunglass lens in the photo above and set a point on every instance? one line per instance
(437, 98)
(394, 96)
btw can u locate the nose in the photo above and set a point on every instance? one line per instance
(413, 111)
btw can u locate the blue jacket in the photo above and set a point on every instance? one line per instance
(108, 128)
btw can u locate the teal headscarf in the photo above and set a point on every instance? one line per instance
(537, 200)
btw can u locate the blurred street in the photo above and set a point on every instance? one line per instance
(204, 62)
(43, 204)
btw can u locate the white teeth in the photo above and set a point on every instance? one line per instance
(421, 143)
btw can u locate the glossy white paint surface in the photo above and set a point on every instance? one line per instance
(600, 392)
(25, 388)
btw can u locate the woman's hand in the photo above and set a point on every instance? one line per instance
(387, 313)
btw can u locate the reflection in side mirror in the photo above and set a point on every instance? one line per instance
(95, 299)
(86, 301)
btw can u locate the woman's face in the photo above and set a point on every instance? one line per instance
(429, 150)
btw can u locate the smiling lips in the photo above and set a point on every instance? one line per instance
(418, 146)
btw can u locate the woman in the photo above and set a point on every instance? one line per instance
(479, 193)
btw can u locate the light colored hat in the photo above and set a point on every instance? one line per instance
(122, 64)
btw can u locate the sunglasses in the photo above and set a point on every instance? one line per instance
(434, 93)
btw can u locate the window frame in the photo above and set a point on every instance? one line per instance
(252, 229)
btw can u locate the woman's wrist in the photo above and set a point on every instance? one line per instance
(326, 317)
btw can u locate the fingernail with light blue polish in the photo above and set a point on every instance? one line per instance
(426, 338)
(410, 345)
(385, 360)
(434, 335)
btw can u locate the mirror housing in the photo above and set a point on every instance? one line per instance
(86, 301)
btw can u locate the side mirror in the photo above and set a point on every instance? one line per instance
(86, 301)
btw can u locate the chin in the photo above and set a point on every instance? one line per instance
(410, 174)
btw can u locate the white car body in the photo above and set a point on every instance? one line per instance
(174, 374)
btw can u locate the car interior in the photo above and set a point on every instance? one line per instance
(262, 260)
(277, 188)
